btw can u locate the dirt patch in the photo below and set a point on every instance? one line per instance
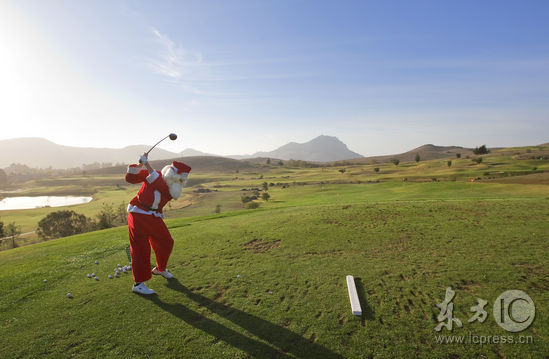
(258, 245)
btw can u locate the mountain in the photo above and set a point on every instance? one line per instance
(319, 149)
(426, 152)
(41, 153)
(191, 152)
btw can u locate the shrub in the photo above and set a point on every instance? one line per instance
(477, 160)
(63, 223)
(449, 163)
(342, 170)
(217, 208)
(252, 205)
(482, 150)
(417, 157)
(395, 161)
(265, 196)
(376, 169)
(245, 198)
(265, 186)
(458, 155)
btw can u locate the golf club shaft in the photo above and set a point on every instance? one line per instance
(156, 144)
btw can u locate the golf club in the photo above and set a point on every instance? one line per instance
(172, 137)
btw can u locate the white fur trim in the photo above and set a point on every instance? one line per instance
(157, 198)
(133, 169)
(152, 177)
(135, 209)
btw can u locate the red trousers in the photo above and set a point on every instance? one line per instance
(146, 231)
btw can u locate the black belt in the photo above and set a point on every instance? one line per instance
(141, 204)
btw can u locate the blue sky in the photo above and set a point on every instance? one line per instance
(235, 77)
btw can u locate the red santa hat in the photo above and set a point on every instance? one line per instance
(180, 167)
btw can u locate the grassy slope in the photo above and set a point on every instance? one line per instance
(402, 244)
(111, 188)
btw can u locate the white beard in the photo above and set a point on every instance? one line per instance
(175, 189)
(174, 181)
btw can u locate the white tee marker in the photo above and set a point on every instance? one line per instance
(353, 296)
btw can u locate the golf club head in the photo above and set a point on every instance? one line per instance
(173, 136)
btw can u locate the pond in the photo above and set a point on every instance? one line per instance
(40, 201)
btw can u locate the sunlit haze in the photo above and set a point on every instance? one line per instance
(236, 77)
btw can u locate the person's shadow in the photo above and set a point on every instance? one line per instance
(285, 341)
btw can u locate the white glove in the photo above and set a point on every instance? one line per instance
(143, 159)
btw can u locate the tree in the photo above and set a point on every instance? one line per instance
(106, 216)
(395, 161)
(342, 170)
(417, 157)
(458, 155)
(376, 169)
(477, 160)
(217, 208)
(122, 213)
(280, 163)
(482, 150)
(13, 231)
(3, 177)
(265, 196)
(265, 186)
(449, 163)
(63, 223)
(268, 161)
(1, 229)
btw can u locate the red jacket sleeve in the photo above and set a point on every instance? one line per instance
(136, 174)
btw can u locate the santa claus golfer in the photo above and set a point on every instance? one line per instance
(145, 218)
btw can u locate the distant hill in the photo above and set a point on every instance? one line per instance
(197, 164)
(191, 152)
(320, 149)
(41, 153)
(426, 152)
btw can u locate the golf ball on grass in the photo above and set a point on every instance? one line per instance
(238, 276)
(93, 274)
(96, 262)
(69, 295)
(45, 281)
(89, 276)
(110, 276)
(96, 278)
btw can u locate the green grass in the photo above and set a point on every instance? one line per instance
(404, 242)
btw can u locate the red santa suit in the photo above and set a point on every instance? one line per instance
(145, 218)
